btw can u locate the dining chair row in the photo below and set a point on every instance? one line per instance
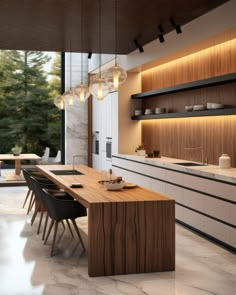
(53, 203)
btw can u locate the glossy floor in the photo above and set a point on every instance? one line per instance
(26, 267)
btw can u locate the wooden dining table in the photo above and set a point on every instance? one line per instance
(129, 231)
(18, 159)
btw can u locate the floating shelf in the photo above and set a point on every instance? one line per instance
(229, 78)
(219, 112)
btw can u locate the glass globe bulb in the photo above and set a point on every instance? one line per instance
(82, 92)
(116, 76)
(70, 96)
(59, 102)
(99, 87)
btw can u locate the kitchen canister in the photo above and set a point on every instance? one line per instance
(224, 161)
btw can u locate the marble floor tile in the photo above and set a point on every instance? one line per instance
(26, 267)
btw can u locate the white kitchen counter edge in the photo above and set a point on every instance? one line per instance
(210, 171)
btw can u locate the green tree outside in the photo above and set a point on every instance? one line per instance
(28, 116)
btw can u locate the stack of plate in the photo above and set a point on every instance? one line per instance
(160, 110)
(148, 112)
(138, 112)
(199, 107)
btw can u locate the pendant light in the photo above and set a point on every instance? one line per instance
(59, 102)
(82, 90)
(70, 94)
(116, 75)
(99, 87)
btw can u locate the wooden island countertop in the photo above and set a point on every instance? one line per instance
(129, 231)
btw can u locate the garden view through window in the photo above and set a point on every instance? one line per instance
(29, 83)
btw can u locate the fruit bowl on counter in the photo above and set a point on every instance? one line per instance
(114, 186)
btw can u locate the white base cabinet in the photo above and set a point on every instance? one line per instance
(206, 205)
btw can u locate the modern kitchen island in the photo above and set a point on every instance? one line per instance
(129, 231)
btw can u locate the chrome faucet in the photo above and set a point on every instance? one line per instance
(75, 156)
(204, 162)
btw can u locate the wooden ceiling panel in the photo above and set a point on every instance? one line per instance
(55, 25)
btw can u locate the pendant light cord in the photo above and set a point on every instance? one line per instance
(81, 39)
(115, 32)
(100, 37)
(70, 67)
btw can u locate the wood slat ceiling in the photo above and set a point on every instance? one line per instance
(55, 25)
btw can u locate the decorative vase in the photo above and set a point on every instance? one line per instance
(224, 161)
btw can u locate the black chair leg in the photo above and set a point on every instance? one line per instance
(49, 230)
(78, 233)
(54, 237)
(67, 221)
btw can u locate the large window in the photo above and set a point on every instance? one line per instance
(29, 82)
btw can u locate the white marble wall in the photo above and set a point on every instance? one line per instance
(76, 116)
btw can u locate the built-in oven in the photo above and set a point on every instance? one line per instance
(108, 148)
(96, 142)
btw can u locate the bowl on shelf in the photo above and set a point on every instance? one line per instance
(114, 186)
(199, 107)
(138, 112)
(160, 110)
(148, 111)
(188, 108)
(216, 106)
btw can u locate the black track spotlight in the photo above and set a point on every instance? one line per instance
(161, 37)
(177, 27)
(140, 48)
(90, 55)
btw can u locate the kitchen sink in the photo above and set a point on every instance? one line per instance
(190, 164)
(66, 172)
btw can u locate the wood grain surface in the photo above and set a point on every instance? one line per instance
(129, 231)
(216, 135)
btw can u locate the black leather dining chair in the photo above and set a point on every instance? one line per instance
(28, 172)
(37, 184)
(59, 210)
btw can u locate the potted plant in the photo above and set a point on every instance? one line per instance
(140, 150)
(16, 150)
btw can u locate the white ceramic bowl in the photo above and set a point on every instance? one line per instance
(138, 112)
(117, 186)
(217, 106)
(188, 108)
(160, 110)
(199, 107)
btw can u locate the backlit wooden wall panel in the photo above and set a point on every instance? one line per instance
(216, 135)
(214, 61)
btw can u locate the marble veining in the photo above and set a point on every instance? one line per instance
(26, 267)
(211, 171)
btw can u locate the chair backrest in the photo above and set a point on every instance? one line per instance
(38, 183)
(45, 156)
(59, 209)
(27, 172)
(57, 158)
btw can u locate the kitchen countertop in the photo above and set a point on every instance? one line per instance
(211, 171)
